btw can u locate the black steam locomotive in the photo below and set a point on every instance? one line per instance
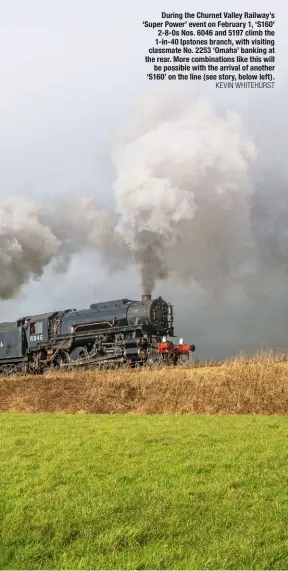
(106, 335)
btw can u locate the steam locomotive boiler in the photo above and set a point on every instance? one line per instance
(108, 334)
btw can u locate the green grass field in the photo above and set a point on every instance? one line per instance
(143, 492)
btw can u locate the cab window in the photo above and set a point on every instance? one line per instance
(36, 328)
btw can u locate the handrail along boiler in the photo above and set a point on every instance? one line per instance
(107, 334)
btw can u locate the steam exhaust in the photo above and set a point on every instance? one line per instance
(146, 297)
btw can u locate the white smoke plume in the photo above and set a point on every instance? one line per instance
(182, 194)
(83, 225)
(26, 245)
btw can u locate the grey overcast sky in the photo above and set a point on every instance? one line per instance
(70, 71)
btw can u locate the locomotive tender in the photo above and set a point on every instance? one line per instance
(108, 334)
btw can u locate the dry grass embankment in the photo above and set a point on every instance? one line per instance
(257, 386)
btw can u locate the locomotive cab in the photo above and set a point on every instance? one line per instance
(37, 329)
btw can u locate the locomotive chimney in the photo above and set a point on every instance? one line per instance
(146, 297)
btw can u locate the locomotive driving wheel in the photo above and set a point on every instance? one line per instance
(60, 359)
(154, 359)
(79, 353)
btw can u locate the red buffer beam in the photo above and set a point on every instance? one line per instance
(171, 348)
